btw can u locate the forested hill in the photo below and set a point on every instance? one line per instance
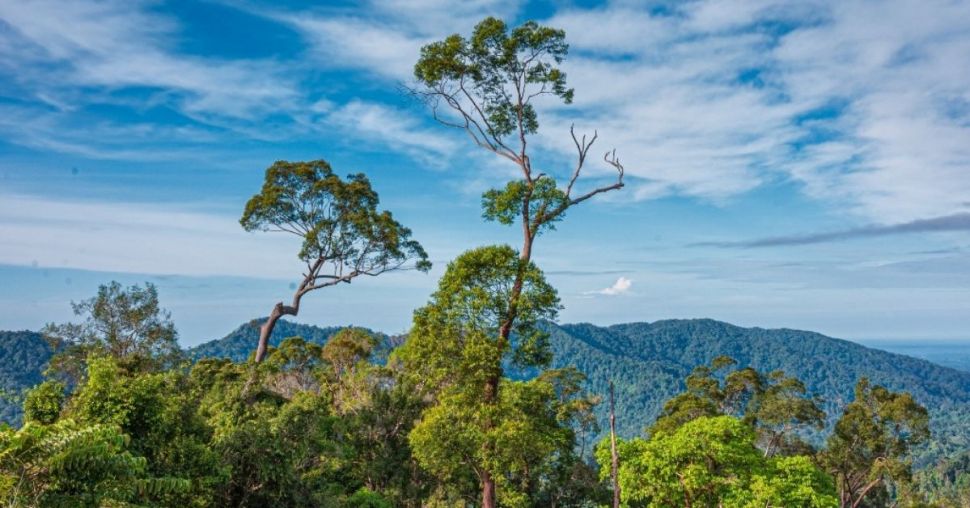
(241, 342)
(648, 362)
(23, 357)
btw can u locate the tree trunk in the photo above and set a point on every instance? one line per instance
(488, 490)
(615, 459)
(505, 333)
(266, 329)
(488, 483)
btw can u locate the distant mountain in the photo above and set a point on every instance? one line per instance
(23, 357)
(241, 342)
(647, 361)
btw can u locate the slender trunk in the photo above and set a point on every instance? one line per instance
(488, 490)
(505, 333)
(266, 329)
(687, 502)
(615, 459)
(770, 445)
(280, 310)
(488, 483)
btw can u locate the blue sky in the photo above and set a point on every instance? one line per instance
(790, 164)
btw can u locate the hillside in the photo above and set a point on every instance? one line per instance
(241, 342)
(647, 361)
(23, 357)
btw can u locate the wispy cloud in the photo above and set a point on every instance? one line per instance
(393, 128)
(718, 98)
(706, 99)
(137, 238)
(55, 46)
(948, 223)
(620, 287)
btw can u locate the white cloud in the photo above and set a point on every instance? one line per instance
(137, 238)
(392, 127)
(384, 37)
(53, 47)
(668, 92)
(711, 102)
(620, 287)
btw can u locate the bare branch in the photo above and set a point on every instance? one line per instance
(582, 148)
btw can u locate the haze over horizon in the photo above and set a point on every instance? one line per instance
(801, 167)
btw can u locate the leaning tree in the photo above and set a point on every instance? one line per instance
(344, 234)
(486, 86)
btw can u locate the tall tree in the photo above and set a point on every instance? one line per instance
(774, 404)
(867, 451)
(344, 235)
(485, 85)
(455, 348)
(124, 323)
(712, 461)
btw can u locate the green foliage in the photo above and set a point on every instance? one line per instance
(378, 453)
(124, 323)
(776, 405)
(337, 219)
(517, 432)
(43, 403)
(322, 424)
(655, 358)
(455, 341)
(528, 442)
(712, 461)
(66, 464)
(23, 356)
(373, 436)
(366, 498)
(158, 413)
(946, 483)
(790, 482)
(868, 449)
(493, 68)
(505, 205)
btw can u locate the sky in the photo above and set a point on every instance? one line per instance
(788, 164)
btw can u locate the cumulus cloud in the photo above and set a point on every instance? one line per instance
(620, 287)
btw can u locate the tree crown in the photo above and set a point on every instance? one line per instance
(337, 219)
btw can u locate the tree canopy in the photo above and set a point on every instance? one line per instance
(344, 235)
(124, 323)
